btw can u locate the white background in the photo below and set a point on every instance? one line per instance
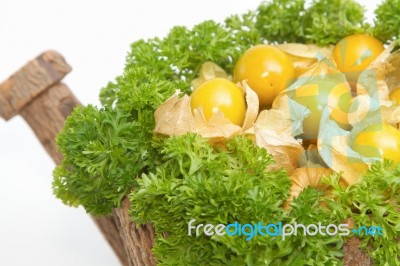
(94, 37)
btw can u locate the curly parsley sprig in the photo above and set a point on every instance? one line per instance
(375, 201)
(387, 21)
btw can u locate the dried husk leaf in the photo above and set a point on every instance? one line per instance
(209, 70)
(216, 129)
(361, 106)
(373, 78)
(272, 131)
(336, 153)
(252, 106)
(174, 117)
(381, 64)
(311, 157)
(321, 68)
(392, 77)
(281, 103)
(304, 56)
(285, 149)
(373, 88)
(390, 113)
(308, 177)
(275, 120)
(306, 50)
(351, 171)
(366, 112)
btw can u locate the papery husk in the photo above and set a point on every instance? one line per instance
(252, 107)
(284, 148)
(304, 56)
(281, 102)
(383, 76)
(311, 157)
(333, 146)
(295, 113)
(209, 70)
(388, 112)
(272, 131)
(217, 128)
(322, 68)
(392, 76)
(392, 79)
(308, 177)
(311, 51)
(174, 117)
(351, 168)
(376, 73)
(360, 112)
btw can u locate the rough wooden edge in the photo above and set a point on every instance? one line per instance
(353, 255)
(46, 115)
(138, 239)
(31, 80)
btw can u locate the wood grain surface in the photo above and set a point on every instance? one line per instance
(31, 80)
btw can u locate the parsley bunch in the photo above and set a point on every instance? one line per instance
(324, 22)
(223, 185)
(387, 21)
